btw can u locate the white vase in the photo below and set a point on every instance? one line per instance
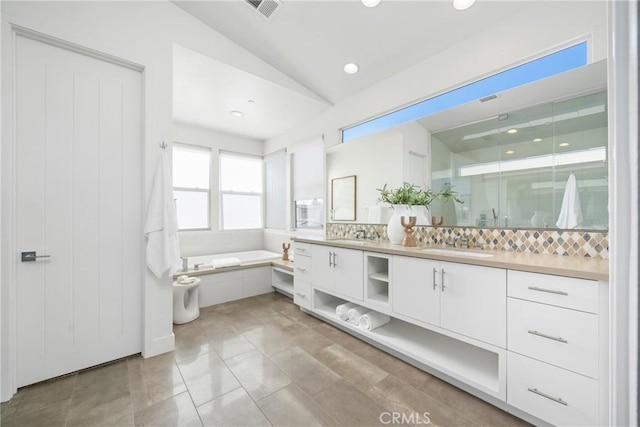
(395, 230)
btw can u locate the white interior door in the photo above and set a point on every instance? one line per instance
(79, 201)
(416, 173)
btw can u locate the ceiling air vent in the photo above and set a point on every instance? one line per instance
(266, 8)
(488, 98)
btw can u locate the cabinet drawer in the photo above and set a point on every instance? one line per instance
(302, 268)
(579, 294)
(552, 394)
(559, 336)
(302, 293)
(301, 249)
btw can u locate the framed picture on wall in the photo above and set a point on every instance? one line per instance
(343, 198)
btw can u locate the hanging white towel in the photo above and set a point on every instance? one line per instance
(571, 212)
(161, 228)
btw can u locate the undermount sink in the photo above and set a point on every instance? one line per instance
(350, 241)
(457, 252)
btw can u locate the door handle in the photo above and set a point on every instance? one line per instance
(31, 256)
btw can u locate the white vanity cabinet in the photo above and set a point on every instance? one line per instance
(466, 299)
(302, 275)
(556, 368)
(337, 270)
(415, 291)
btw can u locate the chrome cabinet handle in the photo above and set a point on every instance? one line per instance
(301, 295)
(442, 286)
(334, 260)
(549, 291)
(540, 334)
(301, 269)
(435, 285)
(555, 399)
(330, 262)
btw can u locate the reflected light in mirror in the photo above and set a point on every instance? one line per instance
(574, 157)
(597, 109)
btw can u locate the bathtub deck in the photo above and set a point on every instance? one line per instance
(286, 265)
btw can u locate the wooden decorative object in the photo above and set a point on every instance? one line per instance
(408, 240)
(433, 221)
(285, 251)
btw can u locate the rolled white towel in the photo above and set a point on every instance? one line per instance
(355, 313)
(225, 262)
(342, 311)
(372, 320)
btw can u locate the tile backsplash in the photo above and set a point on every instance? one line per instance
(592, 244)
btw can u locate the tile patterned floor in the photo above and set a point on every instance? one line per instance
(255, 362)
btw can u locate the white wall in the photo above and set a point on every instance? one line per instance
(375, 160)
(143, 33)
(216, 241)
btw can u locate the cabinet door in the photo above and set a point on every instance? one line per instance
(322, 267)
(413, 290)
(348, 273)
(474, 302)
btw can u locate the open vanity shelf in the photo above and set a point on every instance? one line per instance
(282, 281)
(377, 273)
(460, 360)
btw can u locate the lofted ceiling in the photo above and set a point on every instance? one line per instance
(310, 41)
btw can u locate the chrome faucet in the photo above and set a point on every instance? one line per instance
(464, 241)
(361, 234)
(197, 266)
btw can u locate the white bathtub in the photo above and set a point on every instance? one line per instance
(245, 257)
(218, 286)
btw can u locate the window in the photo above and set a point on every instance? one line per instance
(540, 68)
(240, 191)
(191, 189)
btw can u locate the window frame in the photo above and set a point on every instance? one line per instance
(259, 159)
(195, 189)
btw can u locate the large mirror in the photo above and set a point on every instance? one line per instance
(505, 177)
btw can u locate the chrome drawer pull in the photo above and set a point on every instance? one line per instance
(301, 295)
(435, 285)
(559, 339)
(555, 399)
(549, 291)
(301, 269)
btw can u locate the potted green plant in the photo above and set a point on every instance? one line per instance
(410, 200)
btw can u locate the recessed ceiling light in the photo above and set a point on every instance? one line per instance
(351, 68)
(564, 144)
(236, 113)
(537, 139)
(372, 3)
(463, 4)
(510, 152)
(512, 130)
